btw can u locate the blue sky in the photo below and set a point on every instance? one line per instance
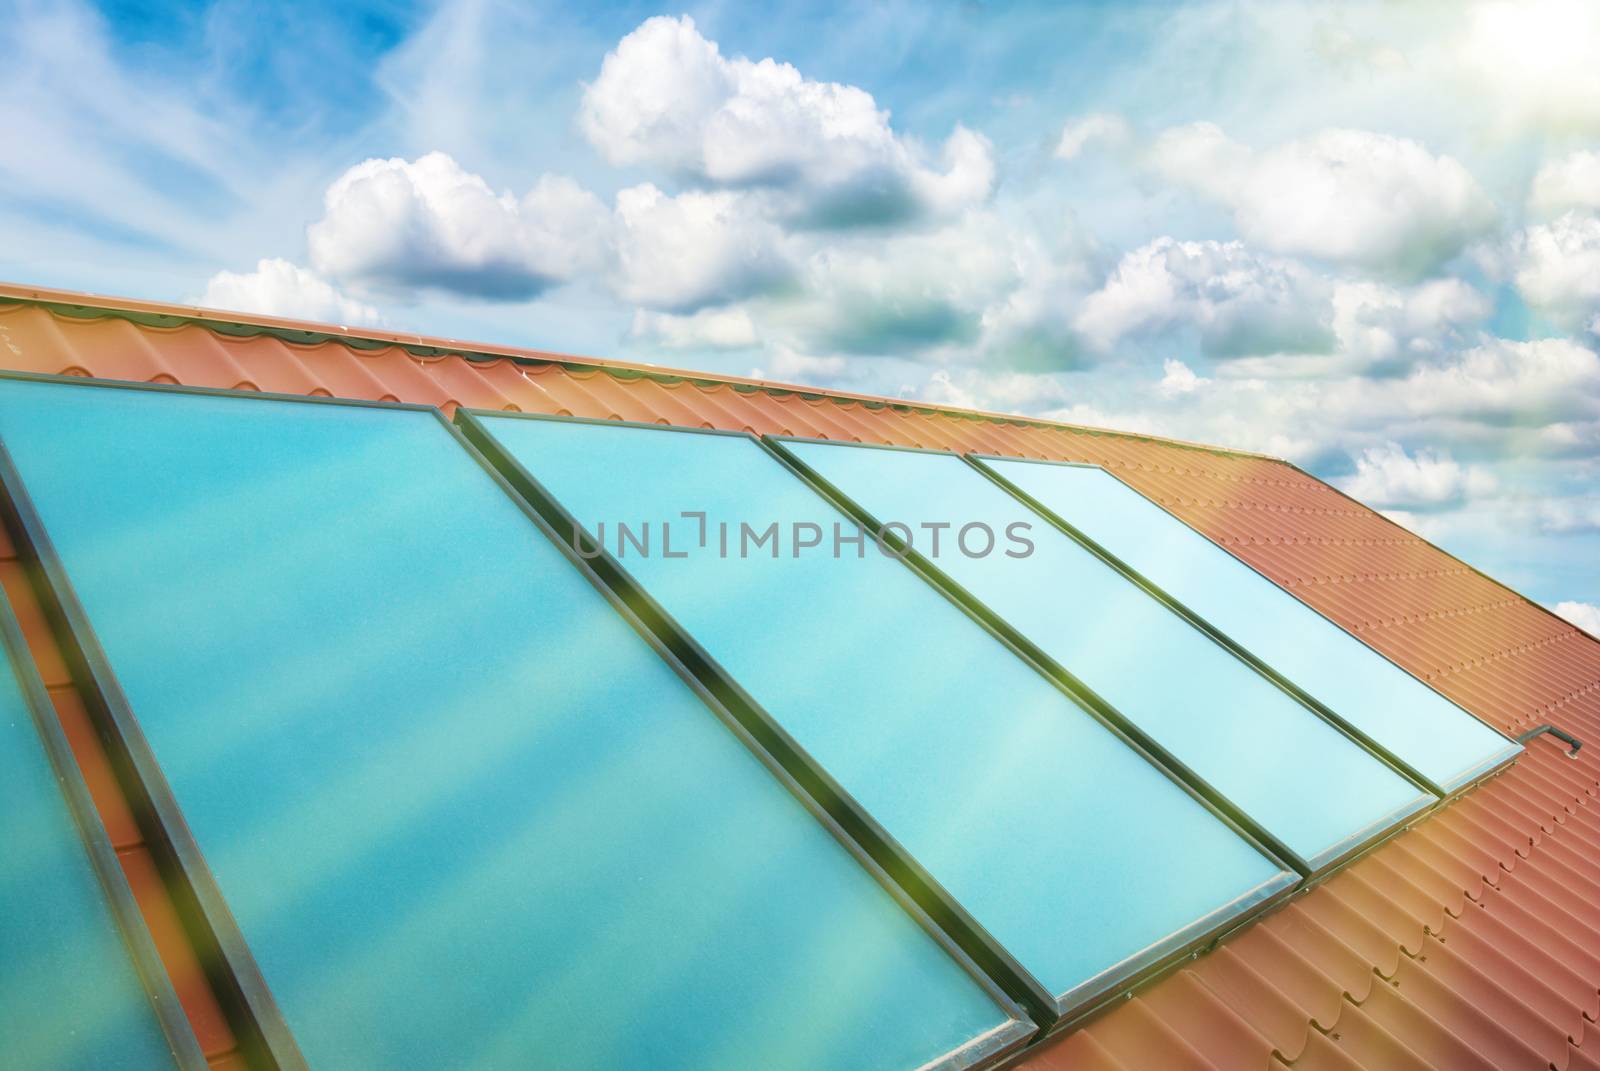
(1365, 238)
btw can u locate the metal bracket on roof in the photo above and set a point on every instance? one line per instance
(1559, 734)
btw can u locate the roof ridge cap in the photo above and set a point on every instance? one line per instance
(150, 313)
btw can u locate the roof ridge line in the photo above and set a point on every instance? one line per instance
(149, 313)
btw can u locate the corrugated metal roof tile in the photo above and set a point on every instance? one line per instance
(1307, 981)
(1321, 1054)
(1222, 1036)
(1449, 987)
(1136, 1037)
(1399, 1021)
(1253, 998)
(1580, 1060)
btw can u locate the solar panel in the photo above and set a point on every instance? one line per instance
(71, 994)
(1304, 781)
(1422, 727)
(462, 812)
(1077, 856)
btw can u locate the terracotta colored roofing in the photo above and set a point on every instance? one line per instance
(1471, 940)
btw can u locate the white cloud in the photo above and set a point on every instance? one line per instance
(917, 292)
(279, 288)
(1498, 403)
(683, 253)
(1028, 328)
(667, 97)
(1573, 181)
(1378, 325)
(1583, 614)
(431, 225)
(1096, 128)
(967, 177)
(1536, 382)
(1557, 268)
(978, 289)
(1003, 392)
(1387, 476)
(1563, 515)
(1178, 378)
(1241, 302)
(1346, 196)
(1535, 59)
(1201, 157)
(1273, 316)
(791, 366)
(712, 329)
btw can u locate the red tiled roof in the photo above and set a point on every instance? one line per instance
(1470, 941)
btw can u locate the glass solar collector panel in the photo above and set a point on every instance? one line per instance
(1005, 792)
(1297, 775)
(71, 993)
(1428, 731)
(462, 812)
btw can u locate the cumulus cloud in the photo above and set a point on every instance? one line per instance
(1273, 316)
(1386, 476)
(1177, 379)
(683, 253)
(1585, 615)
(1097, 128)
(1349, 197)
(1573, 181)
(978, 289)
(1379, 327)
(791, 366)
(911, 293)
(1006, 392)
(1536, 382)
(668, 98)
(1567, 515)
(1536, 59)
(710, 329)
(1557, 269)
(279, 288)
(1241, 302)
(1496, 400)
(431, 225)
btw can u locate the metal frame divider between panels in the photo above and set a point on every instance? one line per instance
(956, 930)
(1354, 848)
(1465, 781)
(980, 1052)
(102, 855)
(1053, 1011)
(1338, 854)
(1063, 679)
(1099, 993)
(1216, 635)
(265, 1039)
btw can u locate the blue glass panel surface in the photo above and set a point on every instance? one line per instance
(463, 814)
(1073, 851)
(1435, 736)
(70, 998)
(1298, 776)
